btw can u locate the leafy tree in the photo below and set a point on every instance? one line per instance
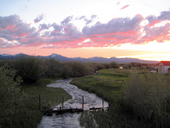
(98, 66)
(29, 69)
(66, 70)
(135, 64)
(74, 69)
(53, 68)
(114, 65)
(10, 95)
(79, 69)
(107, 65)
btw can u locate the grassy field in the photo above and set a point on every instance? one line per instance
(137, 98)
(30, 116)
(50, 96)
(106, 83)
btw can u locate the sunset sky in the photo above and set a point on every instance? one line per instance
(86, 28)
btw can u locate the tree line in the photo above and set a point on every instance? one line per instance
(24, 72)
(31, 68)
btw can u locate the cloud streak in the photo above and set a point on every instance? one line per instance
(124, 7)
(15, 33)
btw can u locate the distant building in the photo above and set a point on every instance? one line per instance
(163, 67)
(120, 67)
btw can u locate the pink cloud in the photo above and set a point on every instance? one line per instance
(56, 31)
(14, 29)
(124, 7)
(21, 35)
(153, 23)
(8, 27)
(159, 34)
(66, 35)
(114, 38)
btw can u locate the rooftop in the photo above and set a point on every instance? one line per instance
(165, 63)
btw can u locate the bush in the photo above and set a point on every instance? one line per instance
(114, 65)
(29, 69)
(98, 66)
(74, 69)
(11, 99)
(53, 68)
(79, 69)
(107, 65)
(147, 96)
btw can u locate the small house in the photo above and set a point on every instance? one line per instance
(163, 67)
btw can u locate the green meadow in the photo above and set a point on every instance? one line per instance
(107, 83)
(25, 77)
(30, 115)
(137, 98)
(20, 102)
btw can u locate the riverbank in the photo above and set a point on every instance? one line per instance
(70, 120)
(106, 83)
(30, 115)
(137, 98)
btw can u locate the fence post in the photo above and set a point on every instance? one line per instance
(62, 103)
(103, 104)
(40, 102)
(82, 102)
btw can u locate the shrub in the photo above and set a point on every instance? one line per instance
(74, 69)
(66, 70)
(29, 69)
(90, 67)
(147, 95)
(107, 65)
(79, 69)
(52, 68)
(98, 66)
(11, 99)
(114, 65)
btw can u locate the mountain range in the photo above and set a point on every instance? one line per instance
(92, 59)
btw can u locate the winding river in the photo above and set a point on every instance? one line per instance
(70, 120)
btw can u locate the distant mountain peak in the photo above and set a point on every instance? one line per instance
(6, 55)
(54, 55)
(91, 59)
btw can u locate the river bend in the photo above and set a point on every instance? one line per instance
(70, 120)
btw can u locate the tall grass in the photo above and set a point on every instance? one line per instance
(106, 83)
(19, 105)
(147, 96)
(137, 99)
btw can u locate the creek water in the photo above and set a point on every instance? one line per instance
(70, 120)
